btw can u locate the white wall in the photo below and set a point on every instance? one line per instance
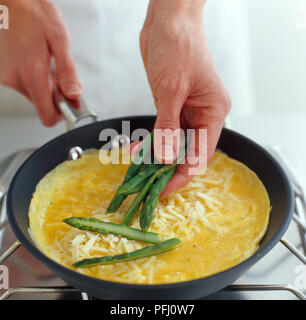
(278, 48)
(227, 33)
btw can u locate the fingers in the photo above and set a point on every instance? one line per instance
(166, 138)
(167, 129)
(214, 129)
(202, 143)
(201, 151)
(38, 35)
(178, 180)
(194, 163)
(59, 45)
(39, 89)
(66, 75)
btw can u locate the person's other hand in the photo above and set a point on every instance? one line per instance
(37, 34)
(185, 84)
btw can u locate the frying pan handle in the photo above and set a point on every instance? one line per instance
(74, 111)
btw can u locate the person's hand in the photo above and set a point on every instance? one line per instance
(37, 34)
(185, 84)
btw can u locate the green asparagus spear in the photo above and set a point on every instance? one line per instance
(141, 195)
(144, 151)
(148, 251)
(116, 202)
(119, 198)
(132, 171)
(132, 186)
(103, 227)
(137, 201)
(146, 215)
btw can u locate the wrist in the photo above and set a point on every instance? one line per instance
(176, 8)
(180, 4)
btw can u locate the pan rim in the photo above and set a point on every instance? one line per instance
(68, 273)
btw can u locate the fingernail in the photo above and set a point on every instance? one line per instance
(166, 153)
(74, 89)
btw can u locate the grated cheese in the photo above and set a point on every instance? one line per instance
(181, 217)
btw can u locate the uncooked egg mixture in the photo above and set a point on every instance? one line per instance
(220, 217)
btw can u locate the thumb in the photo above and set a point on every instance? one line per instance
(167, 132)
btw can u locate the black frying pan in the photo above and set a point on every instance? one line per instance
(233, 144)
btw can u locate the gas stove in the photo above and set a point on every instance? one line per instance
(280, 275)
